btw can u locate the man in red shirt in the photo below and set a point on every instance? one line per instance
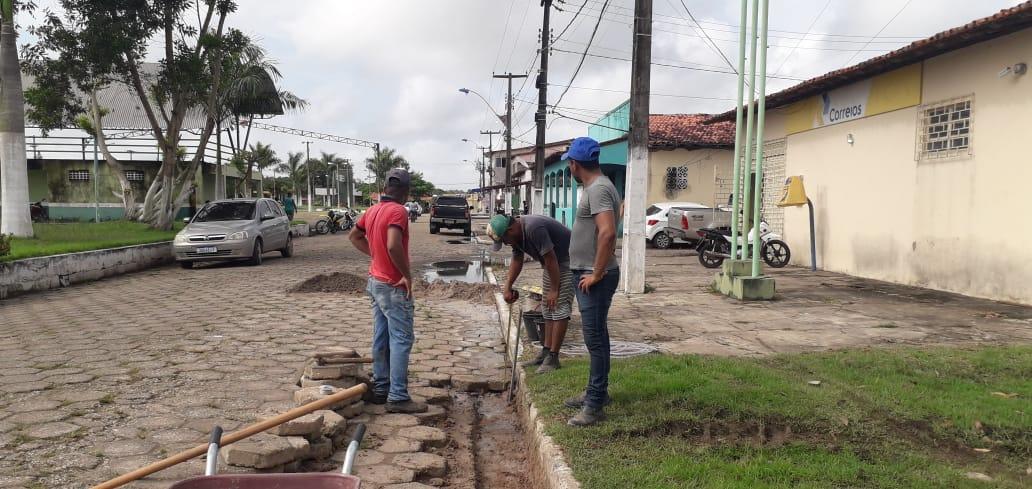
(382, 233)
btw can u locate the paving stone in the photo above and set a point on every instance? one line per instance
(351, 411)
(398, 420)
(307, 425)
(365, 457)
(469, 383)
(400, 445)
(433, 414)
(125, 448)
(436, 379)
(38, 417)
(307, 395)
(424, 464)
(338, 383)
(33, 405)
(408, 485)
(263, 451)
(333, 423)
(385, 474)
(52, 430)
(320, 448)
(329, 356)
(326, 372)
(433, 395)
(429, 435)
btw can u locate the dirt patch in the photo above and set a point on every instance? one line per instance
(756, 432)
(339, 282)
(482, 293)
(347, 283)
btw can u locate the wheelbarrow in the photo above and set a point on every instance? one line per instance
(211, 480)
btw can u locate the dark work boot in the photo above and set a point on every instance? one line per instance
(551, 363)
(374, 398)
(587, 417)
(577, 402)
(538, 360)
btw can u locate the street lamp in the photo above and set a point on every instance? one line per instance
(468, 91)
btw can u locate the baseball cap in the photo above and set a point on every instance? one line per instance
(400, 176)
(583, 149)
(496, 228)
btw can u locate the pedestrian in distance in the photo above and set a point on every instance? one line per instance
(289, 206)
(547, 241)
(383, 233)
(595, 271)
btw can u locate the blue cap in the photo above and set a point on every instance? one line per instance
(584, 150)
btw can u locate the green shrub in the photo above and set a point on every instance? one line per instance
(5, 244)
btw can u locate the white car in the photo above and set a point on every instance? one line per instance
(656, 222)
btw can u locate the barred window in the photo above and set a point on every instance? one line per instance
(676, 178)
(944, 129)
(134, 175)
(78, 175)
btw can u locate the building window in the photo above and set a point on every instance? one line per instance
(134, 175)
(944, 129)
(499, 162)
(78, 175)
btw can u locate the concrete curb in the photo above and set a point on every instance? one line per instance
(548, 463)
(55, 271)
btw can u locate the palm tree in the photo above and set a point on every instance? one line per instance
(333, 165)
(259, 155)
(14, 176)
(383, 161)
(294, 169)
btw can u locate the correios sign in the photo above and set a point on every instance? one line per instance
(845, 103)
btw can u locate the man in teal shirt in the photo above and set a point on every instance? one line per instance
(289, 206)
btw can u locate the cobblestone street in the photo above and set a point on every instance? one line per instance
(103, 378)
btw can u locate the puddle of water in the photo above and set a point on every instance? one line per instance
(471, 271)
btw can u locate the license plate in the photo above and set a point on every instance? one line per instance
(207, 249)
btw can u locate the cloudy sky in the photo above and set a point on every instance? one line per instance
(389, 70)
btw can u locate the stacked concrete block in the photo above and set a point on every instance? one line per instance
(312, 438)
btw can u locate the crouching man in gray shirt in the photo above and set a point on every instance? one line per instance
(547, 241)
(594, 266)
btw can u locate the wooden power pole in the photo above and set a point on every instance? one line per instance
(633, 253)
(508, 137)
(538, 176)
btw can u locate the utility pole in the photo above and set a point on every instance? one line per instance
(633, 254)
(482, 167)
(508, 137)
(308, 171)
(490, 168)
(537, 199)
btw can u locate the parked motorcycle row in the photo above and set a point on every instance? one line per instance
(336, 220)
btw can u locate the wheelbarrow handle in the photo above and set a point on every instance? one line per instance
(211, 465)
(352, 452)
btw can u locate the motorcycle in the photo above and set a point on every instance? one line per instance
(715, 246)
(336, 221)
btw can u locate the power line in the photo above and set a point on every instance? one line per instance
(584, 55)
(574, 18)
(717, 48)
(793, 50)
(652, 94)
(900, 11)
(692, 68)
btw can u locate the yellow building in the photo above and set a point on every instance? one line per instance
(913, 162)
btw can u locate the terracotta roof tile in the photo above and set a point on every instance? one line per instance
(999, 24)
(671, 131)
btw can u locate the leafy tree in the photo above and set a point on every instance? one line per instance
(383, 161)
(420, 187)
(294, 169)
(14, 178)
(98, 42)
(260, 156)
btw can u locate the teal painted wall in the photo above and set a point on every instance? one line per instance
(616, 123)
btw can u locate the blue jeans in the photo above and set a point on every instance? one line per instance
(392, 339)
(594, 309)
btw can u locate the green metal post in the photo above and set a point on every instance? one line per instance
(96, 183)
(750, 123)
(760, 114)
(737, 164)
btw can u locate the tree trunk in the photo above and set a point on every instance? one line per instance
(131, 211)
(14, 175)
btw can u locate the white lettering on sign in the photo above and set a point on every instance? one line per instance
(845, 104)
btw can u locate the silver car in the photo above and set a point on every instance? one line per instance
(234, 229)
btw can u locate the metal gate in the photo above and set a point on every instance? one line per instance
(773, 179)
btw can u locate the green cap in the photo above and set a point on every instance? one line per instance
(497, 227)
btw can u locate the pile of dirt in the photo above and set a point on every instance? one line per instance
(482, 293)
(347, 283)
(339, 282)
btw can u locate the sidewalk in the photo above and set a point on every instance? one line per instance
(812, 311)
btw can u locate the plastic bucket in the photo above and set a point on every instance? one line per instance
(534, 323)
